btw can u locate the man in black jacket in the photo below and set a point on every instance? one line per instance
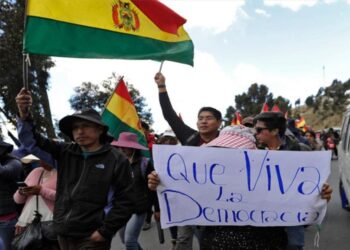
(270, 132)
(208, 123)
(10, 172)
(93, 197)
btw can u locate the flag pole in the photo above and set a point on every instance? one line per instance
(25, 58)
(161, 66)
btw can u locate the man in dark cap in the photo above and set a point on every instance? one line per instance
(270, 129)
(93, 198)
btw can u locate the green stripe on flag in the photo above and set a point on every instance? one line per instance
(116, 126)
(55, 38)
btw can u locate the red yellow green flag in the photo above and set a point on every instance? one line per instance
(120, 114)
(265, 108)
(126, 29)
(237, 120)
(300, 123)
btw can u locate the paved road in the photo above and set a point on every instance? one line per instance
(335, 231)
(334, 235)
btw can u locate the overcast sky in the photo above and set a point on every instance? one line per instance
(283, 44)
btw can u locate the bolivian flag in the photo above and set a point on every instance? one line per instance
(127, 29)
(121, 116)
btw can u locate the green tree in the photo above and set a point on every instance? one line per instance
(230, 114)
(283, 104)
(11, 80)
(310, 101)
(250, 103)
(332, 99)
(96, 96)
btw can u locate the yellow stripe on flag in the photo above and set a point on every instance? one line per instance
(98, 14)
(124, 110)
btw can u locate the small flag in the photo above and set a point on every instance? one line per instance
(237, 120)
(275, 108)
(300, 123)
(120, 114)
(265, 108)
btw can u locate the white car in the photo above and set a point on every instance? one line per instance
(344, 161)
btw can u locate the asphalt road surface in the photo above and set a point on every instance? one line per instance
(335, 229)
(334, 234)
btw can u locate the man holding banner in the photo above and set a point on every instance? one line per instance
(264, 189)
(270, 130)
(208, 123)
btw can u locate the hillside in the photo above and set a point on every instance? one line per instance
(316, 121)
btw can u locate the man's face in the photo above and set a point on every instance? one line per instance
(207, 123)
(168, 140)
(309, 137)
(86, 134)
(262, 133)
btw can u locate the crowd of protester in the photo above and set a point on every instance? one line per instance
(94, 186)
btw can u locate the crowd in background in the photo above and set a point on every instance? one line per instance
(89, 189)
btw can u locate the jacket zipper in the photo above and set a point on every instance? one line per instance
(74, 190)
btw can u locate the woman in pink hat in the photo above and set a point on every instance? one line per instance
(140, 168)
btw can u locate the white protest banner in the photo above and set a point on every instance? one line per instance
(221, 186)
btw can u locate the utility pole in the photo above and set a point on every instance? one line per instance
(323, 75)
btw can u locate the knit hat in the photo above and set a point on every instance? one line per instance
(235, 136)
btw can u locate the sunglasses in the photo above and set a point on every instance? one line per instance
(248, 125)
(259, 130)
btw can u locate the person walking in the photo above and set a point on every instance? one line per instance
(240, 237)
(270, 130)
(208, 123)
(94, 196)
(311, 138)
(10, 173)
(169, 138)
(140, 167)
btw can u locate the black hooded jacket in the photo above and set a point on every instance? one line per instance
(10, 172)
(94, 191)
(185, 134)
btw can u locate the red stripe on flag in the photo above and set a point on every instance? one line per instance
(265, 108)
(123, 91)
(163, 17)
(275, 108)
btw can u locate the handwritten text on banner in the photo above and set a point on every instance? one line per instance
(219, 186)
